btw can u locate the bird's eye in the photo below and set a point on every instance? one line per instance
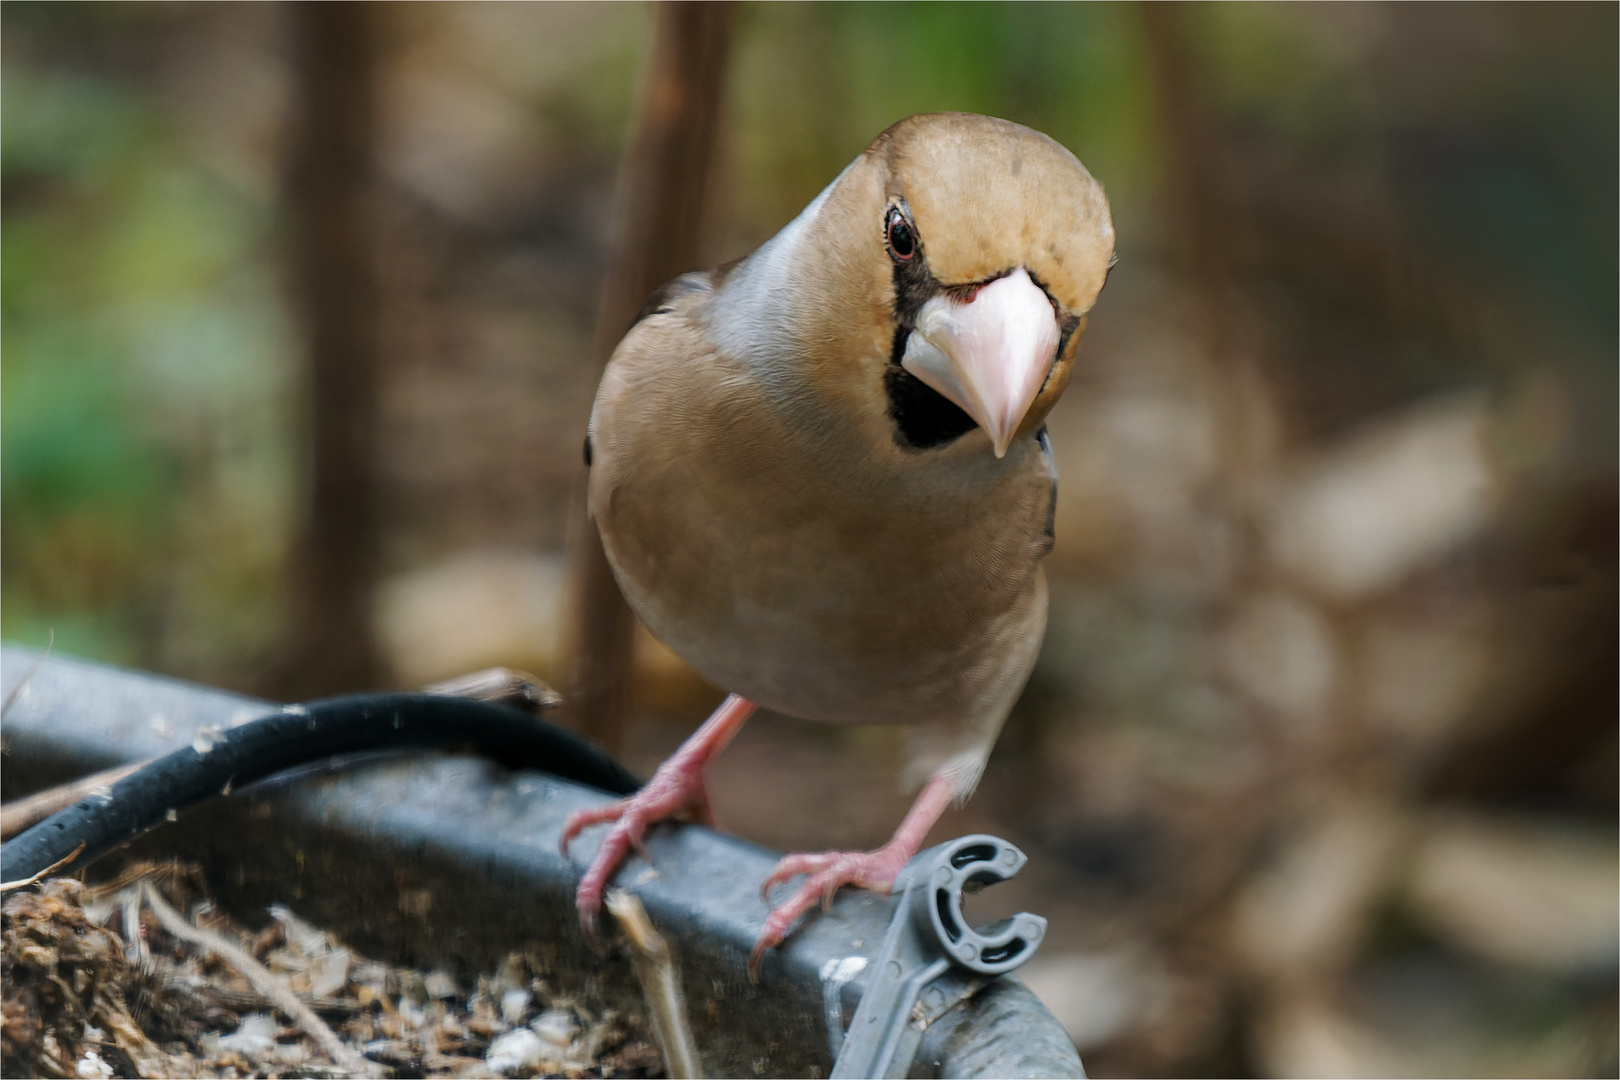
(902, 241)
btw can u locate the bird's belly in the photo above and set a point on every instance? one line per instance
(831, 613)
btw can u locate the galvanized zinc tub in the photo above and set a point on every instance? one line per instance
(447, 861)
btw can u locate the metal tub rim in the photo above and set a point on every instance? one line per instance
(376, 849)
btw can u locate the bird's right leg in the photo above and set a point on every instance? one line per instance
(675, 788)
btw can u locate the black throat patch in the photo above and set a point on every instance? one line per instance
(923, 418)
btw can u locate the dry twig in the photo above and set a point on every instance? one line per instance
(501, 685)
(49, 870)
(660, 985)
(263, 981)
(28, 676)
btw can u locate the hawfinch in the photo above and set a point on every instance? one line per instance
(822, 477)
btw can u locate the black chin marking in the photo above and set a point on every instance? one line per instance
(923, 417)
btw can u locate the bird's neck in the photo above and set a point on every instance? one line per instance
(758, 311)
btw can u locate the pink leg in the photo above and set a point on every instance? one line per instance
(675, 788)
(828, 870)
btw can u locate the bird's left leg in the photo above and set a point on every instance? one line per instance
(828, 870)
(676, 788)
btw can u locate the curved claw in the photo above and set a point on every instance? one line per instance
(828, 870)
(828, 888)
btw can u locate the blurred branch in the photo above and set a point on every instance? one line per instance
(661, 198)
(1202, 206)
(1215, 238)
(262, 980)
(331, 200)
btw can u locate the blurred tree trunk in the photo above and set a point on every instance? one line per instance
(1215, 237)
(331, 202)
(1196, 173)
(660, 207)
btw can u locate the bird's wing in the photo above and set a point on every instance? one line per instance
(664, 346)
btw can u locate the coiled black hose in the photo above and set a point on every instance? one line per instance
(299, 735)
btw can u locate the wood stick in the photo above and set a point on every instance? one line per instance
(332, 228)
(51, 869)
(502, 685)
(660, 985)
(28, 676)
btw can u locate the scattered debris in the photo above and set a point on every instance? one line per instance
(113, 981)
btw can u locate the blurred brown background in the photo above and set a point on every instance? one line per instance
(1318, 770)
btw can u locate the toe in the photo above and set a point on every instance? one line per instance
(624, 835)
(777, 925)
(580, 820)
(792, 866)
(828, 872)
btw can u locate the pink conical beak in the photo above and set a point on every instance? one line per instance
(989, 354)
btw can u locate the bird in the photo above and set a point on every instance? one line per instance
(821, 474)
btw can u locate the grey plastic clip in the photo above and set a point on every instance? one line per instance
(927, 936)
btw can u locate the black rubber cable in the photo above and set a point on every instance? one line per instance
(299, 735)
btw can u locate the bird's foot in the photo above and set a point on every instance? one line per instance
(676, 790)
(828, 871)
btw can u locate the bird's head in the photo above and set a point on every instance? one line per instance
(945, 278)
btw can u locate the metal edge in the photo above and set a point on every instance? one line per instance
(451, 861)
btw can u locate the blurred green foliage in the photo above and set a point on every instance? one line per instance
(144, 374)
(813, 83)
